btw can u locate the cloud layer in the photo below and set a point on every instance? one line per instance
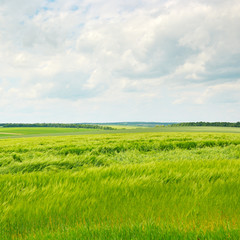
(98, 60)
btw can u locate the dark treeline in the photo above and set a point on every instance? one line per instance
(58, 125)
(139, 124)
(211, 124)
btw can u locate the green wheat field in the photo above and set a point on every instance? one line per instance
(160, 183)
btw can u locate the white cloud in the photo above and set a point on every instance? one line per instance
(78, 51)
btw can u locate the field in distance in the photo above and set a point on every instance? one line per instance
(54, 131)
(23, 131)
(140, 185)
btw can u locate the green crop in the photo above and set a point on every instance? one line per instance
(168, 185)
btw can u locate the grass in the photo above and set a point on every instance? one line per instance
(22, 131)
(49, 131)
(169, 185)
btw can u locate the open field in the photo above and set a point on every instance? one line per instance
(34, 131)
(140, 185)
(51, 131)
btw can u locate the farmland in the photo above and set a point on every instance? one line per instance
(53, 131)
(27, 131)
(158, 183)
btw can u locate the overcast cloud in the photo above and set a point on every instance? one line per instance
(138, 60)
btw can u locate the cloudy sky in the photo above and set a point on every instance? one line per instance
(119, 60)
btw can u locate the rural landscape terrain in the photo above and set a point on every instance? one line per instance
(121, 182)
(120, 120)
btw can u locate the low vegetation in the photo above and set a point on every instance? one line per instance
(54, 125)
(44, 131)
(209, 124)
(159, 185)
(57, 131)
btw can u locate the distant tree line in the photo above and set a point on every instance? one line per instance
(211, 124)
(139, 124)
(57, 125)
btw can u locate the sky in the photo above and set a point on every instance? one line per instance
(119, 60)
